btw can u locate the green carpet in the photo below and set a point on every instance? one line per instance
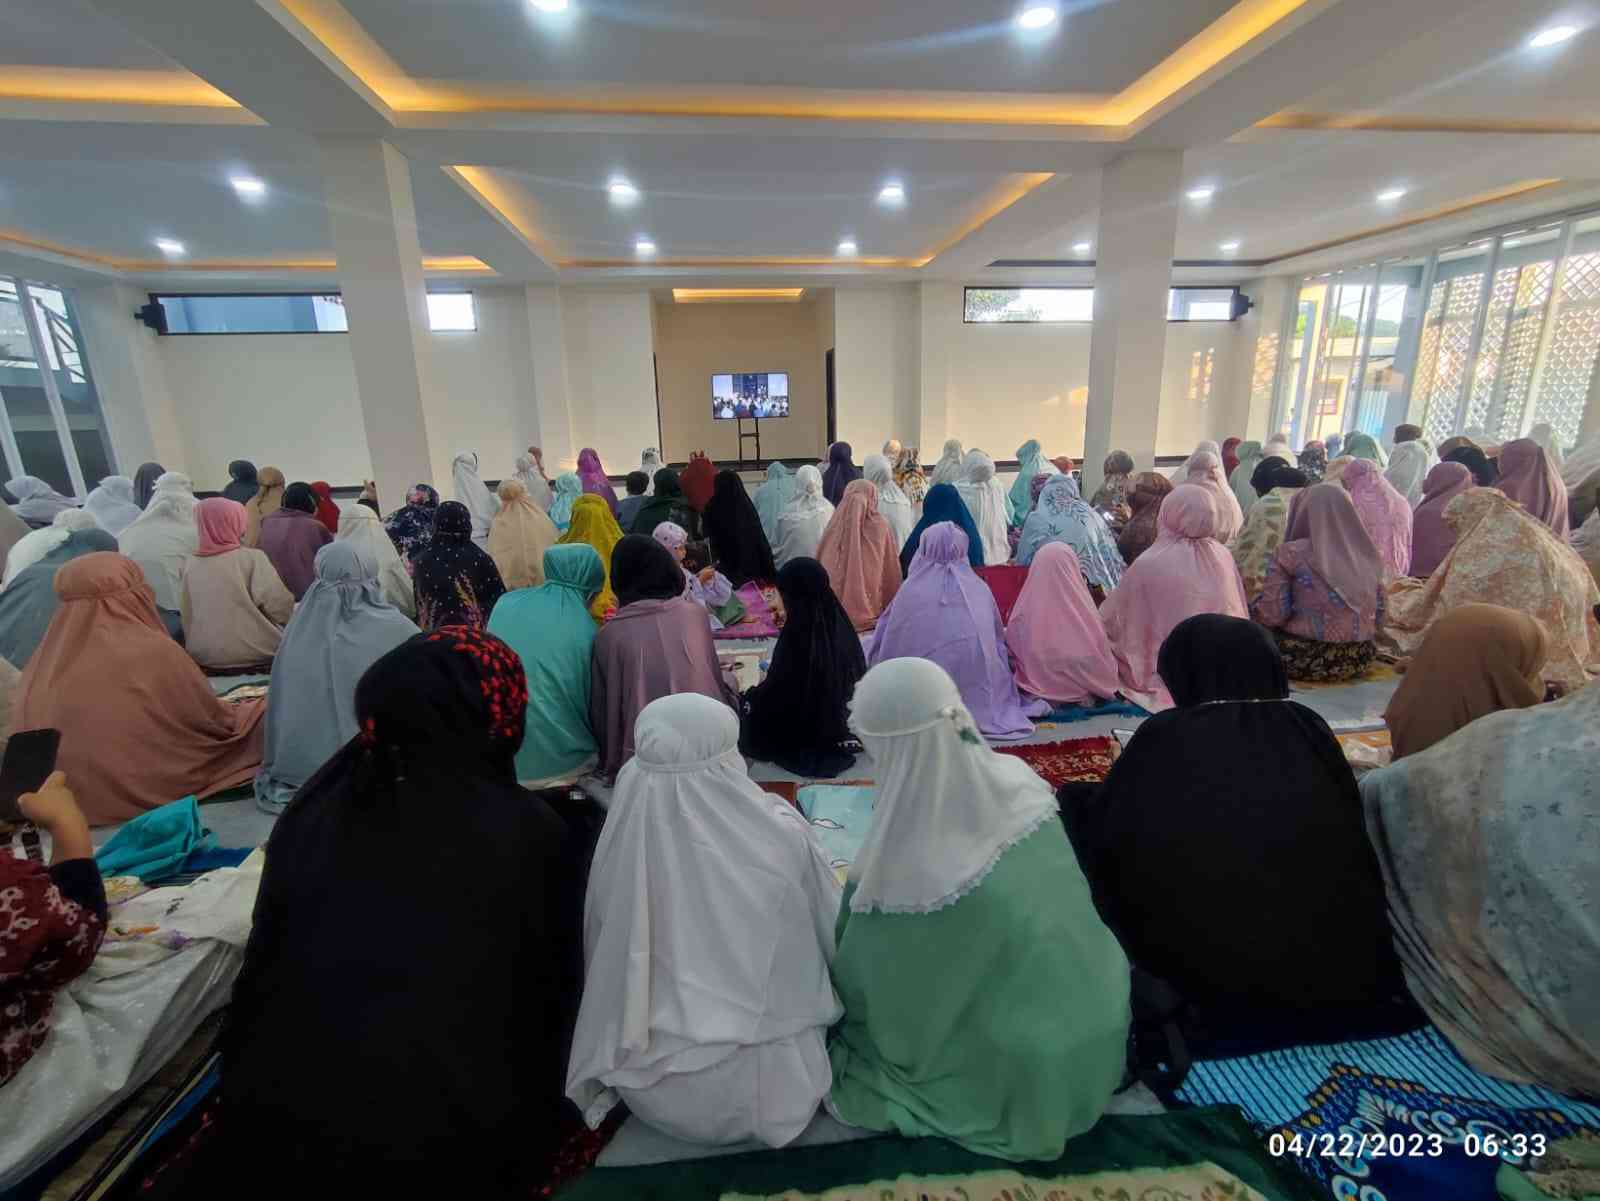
(1144, 1154)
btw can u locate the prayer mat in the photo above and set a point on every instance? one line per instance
(1379, 672)
(1433, 1127)
(761, 618)
(1083, 760)
(1005, 581)
(840, 816)
(1116, 708)
(1196, 1155)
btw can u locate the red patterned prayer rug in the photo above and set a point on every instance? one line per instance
(1077, 759)
(1005, 581)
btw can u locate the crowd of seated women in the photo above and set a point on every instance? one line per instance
(701, 962)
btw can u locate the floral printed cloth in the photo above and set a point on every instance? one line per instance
(1503, 556)
(1257, 542)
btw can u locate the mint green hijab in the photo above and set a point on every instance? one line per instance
(550, 629)
(1030, 462)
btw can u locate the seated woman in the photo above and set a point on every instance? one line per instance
(1249, 456)
(410, 527)
(457, 582)
(1486, 841)
(1323, 597)
(746, 1058)
(1239, 778)
(1031, 462)
(658, 643)
(708, 587)
(946, 614)
(1062, 516)
(1145, 493)
(989, 505)
(665, 503)
(859, 552)
(160, 733)
(519, 535)
(1529, 476)
(1187, 572)
(1484, 473)
(51, 923)
(568, 488)
(593, 525)
(112, 505)
(267, 501)
(1313, 461)
(592, 475)
(772, 497)
(841, 472)
(528, 467)
(734, 527)
(327, 507)
(1431, 537)
(942, 504)
(1358, 445)
(361, 526)
(1056, 641)
(966, 879)
(1505, 556)
(36, 544)
(1409, 466)
(342, 627)
(1476, 660)
(797, 717)
(1253, 548)
(1204, 470)
(234, 605)
(35, 501)
(472, 492)
(162, 541)
(30, 601)
(1580, 474)
(893, 503)
(553, 634)
(1111, 499)
(292, 536)
(315, 1092)
(802, 521)
(1384, 512)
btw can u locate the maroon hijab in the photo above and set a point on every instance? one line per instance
(1431, 536)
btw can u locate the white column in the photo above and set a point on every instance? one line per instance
(130, 379)
(1133, 273)
(1263, 326)
(551, 400)
(373, 220)
(939, 301)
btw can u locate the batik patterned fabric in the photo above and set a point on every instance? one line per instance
(410, 528)
(46, 940)
(1257, 543)
(1502, 556)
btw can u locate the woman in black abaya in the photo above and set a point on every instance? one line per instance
(797, 716)
(738, 543)
(1227, 849)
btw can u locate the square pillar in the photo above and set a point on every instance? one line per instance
(1133, 274)
(373, 220)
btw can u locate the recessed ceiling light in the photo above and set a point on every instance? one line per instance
(170, 247)
(1081, 248)
(644, 246)
(1228, 247)
(1553, 36)
(622, 192)
(847, 248)
(1390, 195)
(1037, 16)
(1201, 194)
(550, 6)
(248, 187)
(892, 193)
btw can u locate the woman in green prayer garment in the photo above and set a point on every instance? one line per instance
(985, 1001)
(550, 629)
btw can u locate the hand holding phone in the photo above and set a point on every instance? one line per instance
(30, 758)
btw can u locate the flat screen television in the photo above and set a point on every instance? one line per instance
(763, 394)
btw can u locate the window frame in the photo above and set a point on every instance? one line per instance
(157, 297)
(1233, 307)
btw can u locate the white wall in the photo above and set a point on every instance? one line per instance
(877, 364)
(610, 373)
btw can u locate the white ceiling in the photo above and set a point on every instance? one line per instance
(1463, 110)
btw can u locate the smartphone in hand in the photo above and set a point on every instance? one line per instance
(30, 758)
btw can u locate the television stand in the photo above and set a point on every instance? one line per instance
(755, 435)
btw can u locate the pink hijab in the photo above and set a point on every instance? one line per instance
(1384, 511)
(220, 523)
(1529, 476)
(1205, 471)
(1341, 551)
(1185, 573)
(1432, 538)
(859, 553)
(1055, 635)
